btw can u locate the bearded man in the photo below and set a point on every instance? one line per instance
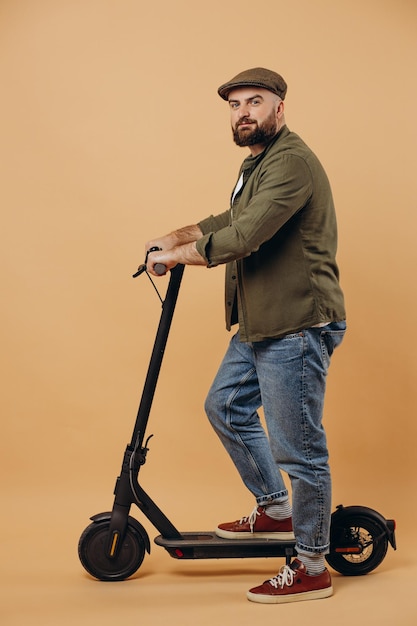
(278, 241)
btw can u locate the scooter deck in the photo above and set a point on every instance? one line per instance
(206, 545)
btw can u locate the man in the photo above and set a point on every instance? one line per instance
(278, 241)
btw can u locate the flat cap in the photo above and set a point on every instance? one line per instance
(255, 77)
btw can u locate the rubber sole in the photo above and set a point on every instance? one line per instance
(290, 597)
(226, 534)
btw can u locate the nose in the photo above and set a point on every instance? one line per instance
(243, 110)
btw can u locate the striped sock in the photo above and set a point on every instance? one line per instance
(280, 510)
(314, 563)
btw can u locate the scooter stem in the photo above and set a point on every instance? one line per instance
(168, 307)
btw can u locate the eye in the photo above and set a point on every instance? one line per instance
(233, 105)
(255, 101)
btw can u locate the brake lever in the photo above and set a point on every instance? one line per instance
(141, 269)
(160, 268)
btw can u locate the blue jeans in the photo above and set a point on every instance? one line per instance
(287, 377)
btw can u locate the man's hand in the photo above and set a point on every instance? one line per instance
(163, 243)
(176, 247)
(179, 237)
(186, 254)
(160, 257)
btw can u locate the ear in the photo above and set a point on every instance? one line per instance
(280, 110)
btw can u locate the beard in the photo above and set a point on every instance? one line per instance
(261, 134)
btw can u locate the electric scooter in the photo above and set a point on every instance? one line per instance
(113, 546)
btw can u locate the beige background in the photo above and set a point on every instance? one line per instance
(111, 133)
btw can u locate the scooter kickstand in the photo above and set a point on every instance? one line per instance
(289, 553)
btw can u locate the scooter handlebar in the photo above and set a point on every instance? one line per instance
(159, 268)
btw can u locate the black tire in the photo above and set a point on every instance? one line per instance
(351, 531)
(92, 552)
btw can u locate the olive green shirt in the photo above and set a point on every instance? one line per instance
(278, 241)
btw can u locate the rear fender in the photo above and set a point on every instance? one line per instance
(387, 525)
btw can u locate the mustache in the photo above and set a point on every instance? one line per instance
(245, 120)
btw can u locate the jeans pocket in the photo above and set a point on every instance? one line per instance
(329, 341)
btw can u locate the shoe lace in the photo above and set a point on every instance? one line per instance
(285, 576)
(250, 518)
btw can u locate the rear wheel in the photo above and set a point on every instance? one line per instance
(358, 544)
(92, 552)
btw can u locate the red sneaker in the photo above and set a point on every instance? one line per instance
(292, 584)
(257, 525)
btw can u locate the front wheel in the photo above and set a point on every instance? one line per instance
(92, 552)
(358, 544)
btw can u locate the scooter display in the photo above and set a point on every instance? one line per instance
(113, 546)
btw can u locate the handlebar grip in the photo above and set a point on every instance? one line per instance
(160, 269)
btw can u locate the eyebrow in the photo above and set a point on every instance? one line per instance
(256, 95)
